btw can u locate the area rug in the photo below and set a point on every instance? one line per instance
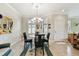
(31, 52)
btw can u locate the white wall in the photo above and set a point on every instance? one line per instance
(7, 10)
(24, 24)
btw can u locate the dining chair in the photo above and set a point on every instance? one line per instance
(39, 43)
(47, 39)
(27, 40)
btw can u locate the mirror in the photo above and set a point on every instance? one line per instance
(6, 24)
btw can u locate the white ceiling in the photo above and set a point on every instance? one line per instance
(28, 9)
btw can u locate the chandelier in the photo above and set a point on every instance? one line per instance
(36, 5)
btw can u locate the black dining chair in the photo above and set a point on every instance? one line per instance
(47, 39)
(27, 40)
(39, 43)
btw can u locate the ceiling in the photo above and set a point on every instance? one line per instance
(45, 9)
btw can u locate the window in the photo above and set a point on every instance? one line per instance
(45, 28)
(29, 29)
(32, 26)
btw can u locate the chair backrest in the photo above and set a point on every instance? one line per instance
(36, 33)
(48, 35)
(25, 37)
(38, 41)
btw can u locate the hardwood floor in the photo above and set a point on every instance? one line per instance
(56, 48)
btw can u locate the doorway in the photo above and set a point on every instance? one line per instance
(60, 27)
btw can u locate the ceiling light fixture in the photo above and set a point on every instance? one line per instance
(36, 6)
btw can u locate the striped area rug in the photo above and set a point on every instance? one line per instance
(31, 52)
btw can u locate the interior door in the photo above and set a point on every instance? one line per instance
(59, 27)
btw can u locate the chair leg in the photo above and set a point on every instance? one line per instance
(31, 44)
(43, 50)
(24, 45)
(35, 51)
(48, 44)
